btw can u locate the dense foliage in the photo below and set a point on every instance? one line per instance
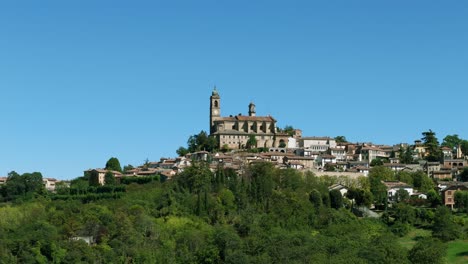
(266, 215)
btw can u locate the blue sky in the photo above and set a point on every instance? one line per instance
(83, 81)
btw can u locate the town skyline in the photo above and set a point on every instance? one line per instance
(83, 82)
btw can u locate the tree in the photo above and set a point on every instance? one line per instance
(22, 185)
(464, 147)
(181, 151)
(463, 176)
(406, 155)
(461, 201)
(127, 168)
(360, 196)
(451, 141)
(109, 178)
(289, 130)
(251, 142)
(336, 200)
(432, 146)
(315, 198)
(201, 141)
(402, 195)
(421, 181)
(444, 227)
(434, 198)
(113, 164)
(428, 250)
(340, 139)
(378, 189)
(376, 162)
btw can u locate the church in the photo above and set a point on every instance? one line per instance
(233, 132)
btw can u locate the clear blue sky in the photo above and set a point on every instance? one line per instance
(83, 81)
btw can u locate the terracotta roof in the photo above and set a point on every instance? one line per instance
(298, 158)
(316, 138)
(255, 118)
(394, 165)
(395, 184)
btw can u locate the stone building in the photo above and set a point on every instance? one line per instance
(235, 130)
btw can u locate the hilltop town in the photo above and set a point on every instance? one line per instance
(237, 141)
(248, 184)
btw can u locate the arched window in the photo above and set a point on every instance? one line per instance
(216, 103)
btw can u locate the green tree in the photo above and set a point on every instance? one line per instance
(463, 176)
(340, 139)
(461, 201)
(127, 168)
(113, 164)
(181, 151)
(406, 155)
(432, 146)
(201, 141)
(109, 178)
(289, 130)
(421, 181)
(378, 189)
(402, 195)
(376, 162)
(251, 142)
(464, 147)
(428, 250)
(315, 198)
(444, 228)
(434, 198)
(451, 141)
(336, 200)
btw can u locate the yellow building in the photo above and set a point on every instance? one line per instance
(234, 131)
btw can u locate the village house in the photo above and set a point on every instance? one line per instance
(441, 175)
(101, 173)
(306, 162)
(3, 180)
(448, 193)
(317, 144)
(394, 186)
(49, 183)
(341, 188)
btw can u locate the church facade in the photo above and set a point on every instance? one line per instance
(233, 132)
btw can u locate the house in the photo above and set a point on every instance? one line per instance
(448, 193)
(339, 153)
(455, 163)
(442, 175)
(318, 144)
(101, 173)
(325, 159)
(447, 152)
(341, 188)
(419, 150)
(395, 166)
(372, 152)
(49, 183)
(306, 162)
(295, 165)
(394, 186)
(3, 180)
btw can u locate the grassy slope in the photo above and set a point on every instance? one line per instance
(411, 238)
(457, 251)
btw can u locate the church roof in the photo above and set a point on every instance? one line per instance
(246, 118)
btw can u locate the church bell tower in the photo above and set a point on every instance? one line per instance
(215, 109)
